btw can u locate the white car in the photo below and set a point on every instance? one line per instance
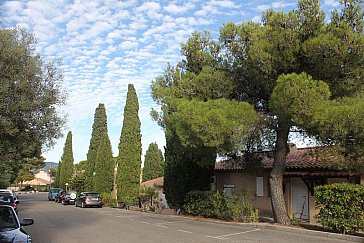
(12, 192)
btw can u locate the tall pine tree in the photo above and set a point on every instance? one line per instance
(104, 167)
(130, 150)
(67, 162)
(153, 163)
(98, 129)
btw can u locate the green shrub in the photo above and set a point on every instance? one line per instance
(341, 206)
(27, 188)
(219, 205)
(108, 200)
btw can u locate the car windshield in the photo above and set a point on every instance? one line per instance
(92, 194)
(71, 192)
(55, 190)
(6, 198)
(7, 218)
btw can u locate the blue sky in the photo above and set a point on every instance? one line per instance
(106, 44)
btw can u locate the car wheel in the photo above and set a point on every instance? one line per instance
(75, 204)
(62, 203)
(83, 205)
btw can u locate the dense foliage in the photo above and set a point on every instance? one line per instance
(108, 200)
(153, 163)
(130, 151)
(221, 206)
(99, 130)
(104, 167)
(341, 206)
(30, 91)
(66, 171)
(186, 169)
(58, 175)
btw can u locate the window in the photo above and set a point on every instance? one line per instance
(259, 191)
(229, 189)
(213, 183)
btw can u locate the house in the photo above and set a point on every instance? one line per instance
(157, 183)
(303, 172)
(41, 178)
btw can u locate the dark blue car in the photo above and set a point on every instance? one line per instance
(10, 228)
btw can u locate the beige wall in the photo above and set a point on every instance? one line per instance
(245, 181)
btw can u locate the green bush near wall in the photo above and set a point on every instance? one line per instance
(221, 206)
(108, 200)
(341, 206)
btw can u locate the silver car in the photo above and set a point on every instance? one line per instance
(86, 199)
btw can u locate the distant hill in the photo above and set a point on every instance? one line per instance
(49, 165)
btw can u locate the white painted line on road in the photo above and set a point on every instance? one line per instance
(126, 216)
(221, 237)
(184, 231)
(167, 223)
(162, 226)
(108, 214)
(131, 219)
(144, 222)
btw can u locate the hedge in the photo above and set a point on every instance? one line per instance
(221, 206)
(341, 207)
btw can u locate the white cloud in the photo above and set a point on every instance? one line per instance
(224, 3)
(257, 18)
(281, 4)
(332, 3)
(263, 8)
(178, 9)
(147, 6)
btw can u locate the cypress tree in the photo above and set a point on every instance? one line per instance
(130, 150)
(67, 162)
(186, 169)
(99, 128)
(104, 167)
(153, 163)
(58, 175)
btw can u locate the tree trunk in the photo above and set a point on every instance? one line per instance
(276, 175)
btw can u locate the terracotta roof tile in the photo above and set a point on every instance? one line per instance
(302, 159)
(154, 182)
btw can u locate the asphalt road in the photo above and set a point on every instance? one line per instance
(57, 223)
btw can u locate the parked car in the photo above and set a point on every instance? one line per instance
(86, 199)
(10, 228)
(12, 192)
(53, 193)
(60, 196)
(69, 197)
(8, 199)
